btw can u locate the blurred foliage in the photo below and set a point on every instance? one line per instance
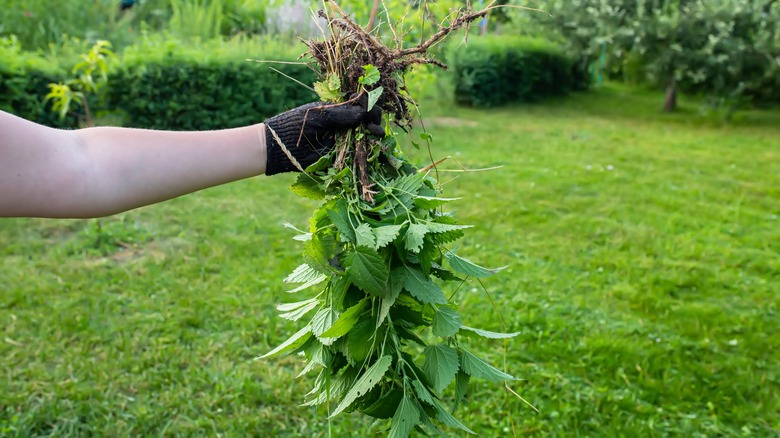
(24, 78)
(168, 83)
(90, 77)
(728, 50)
(495, 70)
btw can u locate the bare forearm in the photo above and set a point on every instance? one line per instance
(140, 167)
(95, 172)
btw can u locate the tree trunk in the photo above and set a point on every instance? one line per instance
(670, 103)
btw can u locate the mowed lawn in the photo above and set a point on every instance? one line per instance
(644, 277)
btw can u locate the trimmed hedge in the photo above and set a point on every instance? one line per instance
(165, 84)
(189, 96)
(495, 70)
(168, 84)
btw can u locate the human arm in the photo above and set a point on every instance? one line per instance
(93, 172)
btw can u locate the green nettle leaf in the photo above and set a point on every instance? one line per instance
(476, 367)
(361, 340)
(295, 311)
(447, 418)
(431, 202)
(422, 392)
(373, 97)
(422, 287)
(475, 332)
(371, 377)
(414, 237)
(467, 267)
(435, 227)
(371, 76)
(386, 405)
(308, 284)
(289, 307)
(406, 417)
(364, 236)
(368, 271)
(386, 234)
(292, 344)
(318, 251)
(393, 290)
(322, 321)
(345, 322)
(339, 214)
(308, 186)
(461, 385)
(441, 364)
(446, 322)
(302, 274)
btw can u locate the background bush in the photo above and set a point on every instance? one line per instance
(168, 84)
(495, 70)
(24, 79)
(163, 82)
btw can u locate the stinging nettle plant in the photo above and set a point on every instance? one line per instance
(385, 339)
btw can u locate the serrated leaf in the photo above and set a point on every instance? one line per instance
(345, 321)
(446, 322)
(431, 202)
(323, 163)
(291, 344)
(371, 377)
(319, 250)
(308, 284)
(385, 406)
(339, 214)
(476, 367)
(364, 236)
(435, 227)
(408, 185)
(406, 417)
(329, 90)
(441, 364)
(302, 274)
(470, 331)
(371, 75)
(445, 417)
(393, 290)
(297, 312)
(338, 386)
(289, 307)
(339, 285)
(414, 237)
(308, 186)
(368, 271)
(467, 267)
(322, 321)
(373, 97)
(423, 288)
(361, 340)
(422, 392)
(386, 234)
(461, 385)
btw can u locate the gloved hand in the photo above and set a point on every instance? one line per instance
(319, 122)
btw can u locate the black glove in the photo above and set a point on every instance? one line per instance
(322, 121)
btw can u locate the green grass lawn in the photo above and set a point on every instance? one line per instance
(644, 277)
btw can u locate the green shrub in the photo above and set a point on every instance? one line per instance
(24, 80)
(496, 70)
(168, 84)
